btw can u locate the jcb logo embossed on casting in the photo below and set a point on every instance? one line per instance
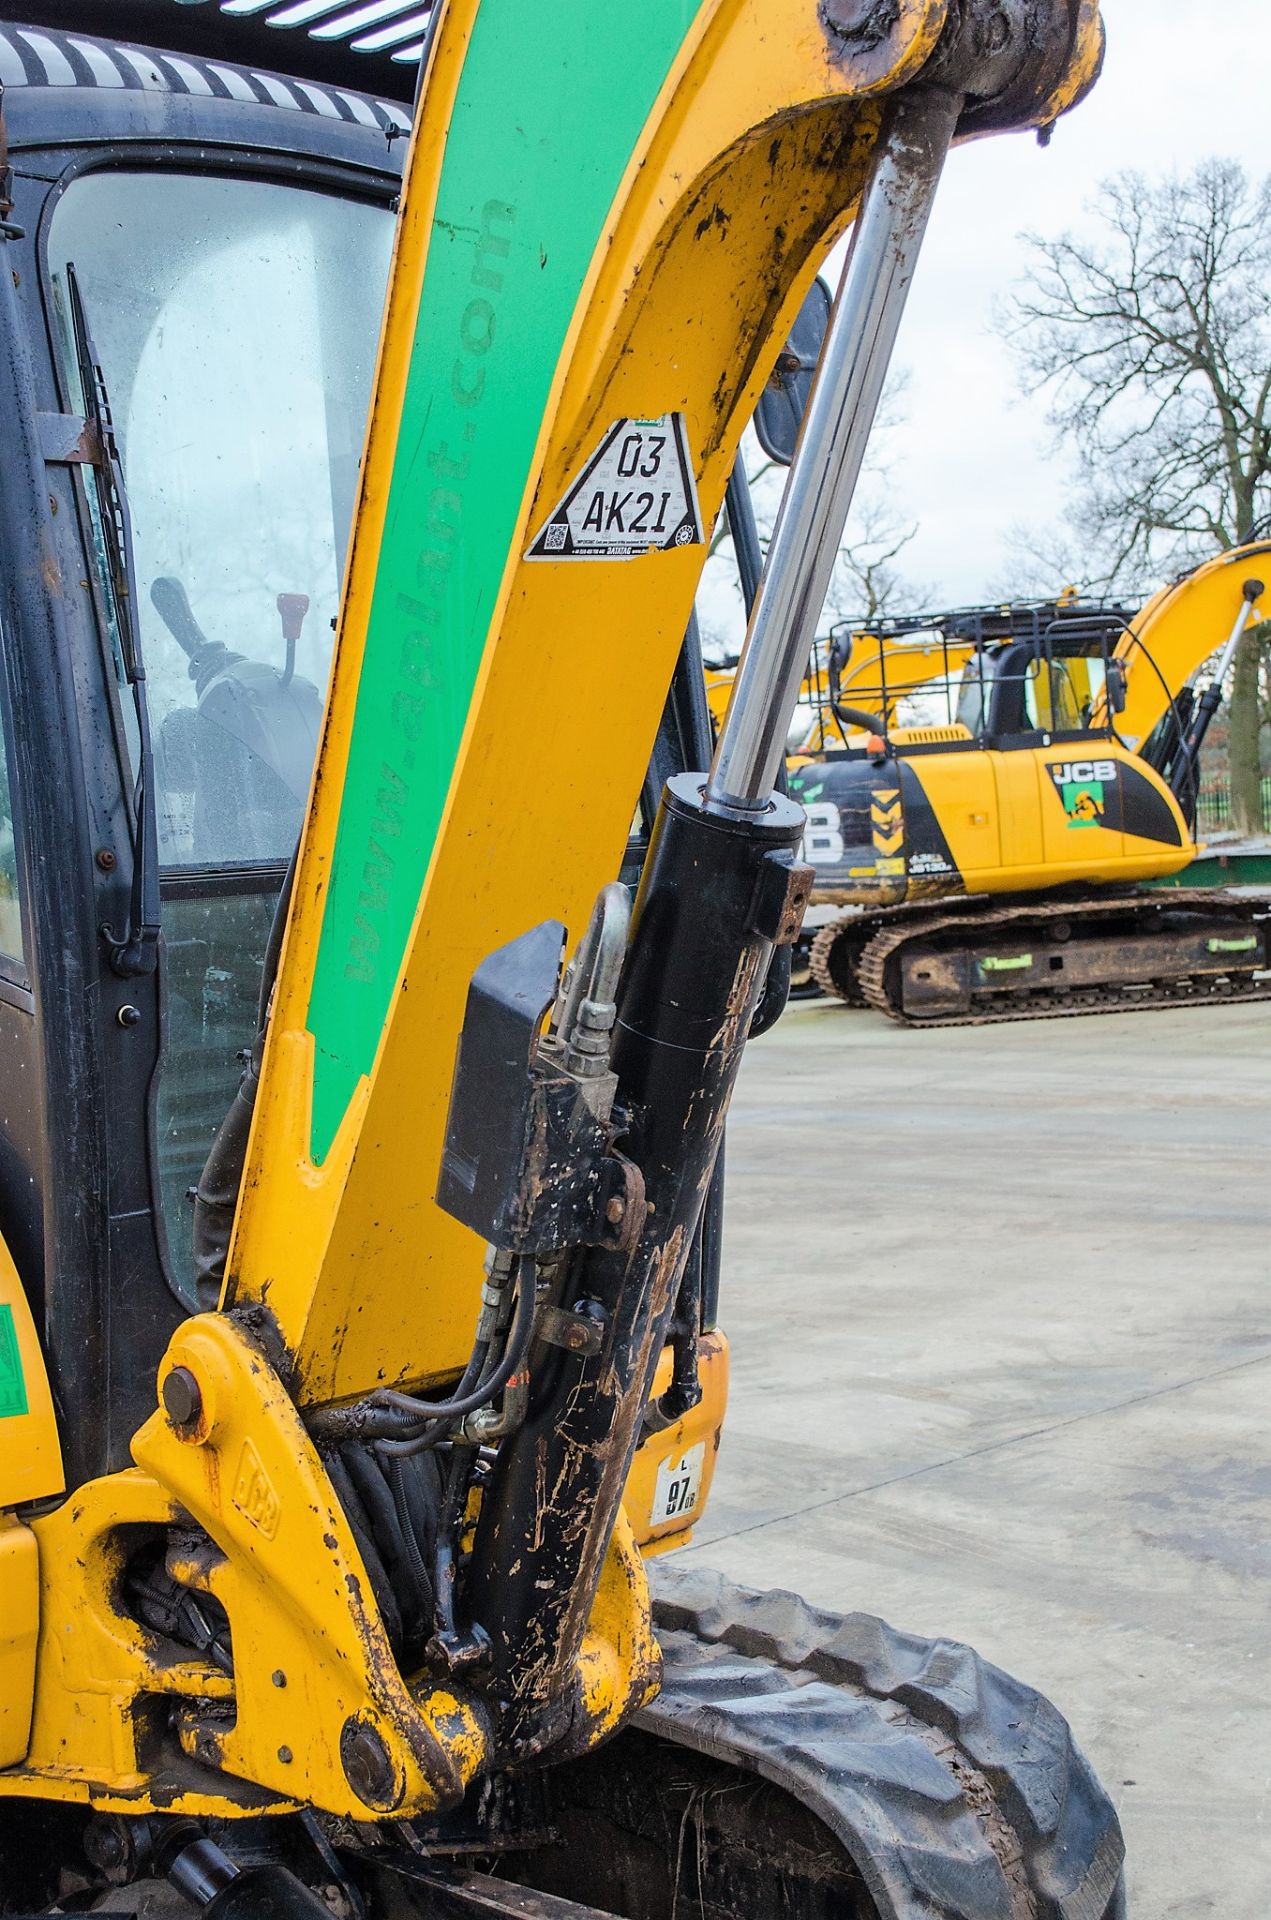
(254, 1496)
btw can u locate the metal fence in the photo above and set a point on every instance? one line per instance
(1213, 810)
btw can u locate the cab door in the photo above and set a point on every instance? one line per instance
(952, 820)
(1077, 774)
(1020, 813)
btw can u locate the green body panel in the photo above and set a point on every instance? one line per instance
(549, 110)
(12, 1380)
(1210, 869)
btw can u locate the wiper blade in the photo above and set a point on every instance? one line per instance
(135, 951)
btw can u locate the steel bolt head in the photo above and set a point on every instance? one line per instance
(182, 1400)
(866, 21)
(368, 1765)
(108, 1846)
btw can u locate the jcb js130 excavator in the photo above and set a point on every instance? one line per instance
(988, 863)
(335, 1412)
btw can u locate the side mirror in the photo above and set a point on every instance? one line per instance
(779, 414)
(1114, 683)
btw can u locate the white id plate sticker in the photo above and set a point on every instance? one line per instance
(678, 1484)
(635, 495)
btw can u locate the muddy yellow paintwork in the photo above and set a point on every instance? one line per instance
(90, 1729)
(619, 1666)
(325, 1243)
(702, 1427)
(19, 1626)
(309, 1645)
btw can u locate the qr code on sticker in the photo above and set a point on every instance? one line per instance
(554, 538)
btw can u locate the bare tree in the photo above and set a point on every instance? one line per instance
(865, 583)
(1042, 562)
(1153, 337)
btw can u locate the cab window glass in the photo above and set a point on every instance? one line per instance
(1052, 700)
(236, 322)
(973, 694)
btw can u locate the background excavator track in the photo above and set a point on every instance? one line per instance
(855, 958)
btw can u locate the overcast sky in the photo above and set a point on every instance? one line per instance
(1182, 80)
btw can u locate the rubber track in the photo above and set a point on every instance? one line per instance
(904, 924)
(958, 1792)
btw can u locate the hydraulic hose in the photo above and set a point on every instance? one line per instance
(393, 1418)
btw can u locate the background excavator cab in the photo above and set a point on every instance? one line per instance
(1004, 763)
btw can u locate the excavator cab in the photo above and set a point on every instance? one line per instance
(995, 697)
(1047, 679)
(199, 260)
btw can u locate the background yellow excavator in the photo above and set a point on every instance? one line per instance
(341, 1415)
(989, 860)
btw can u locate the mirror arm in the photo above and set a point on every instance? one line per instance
(745, 531)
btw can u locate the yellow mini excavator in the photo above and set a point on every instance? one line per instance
(360, 1173)
(988, 865)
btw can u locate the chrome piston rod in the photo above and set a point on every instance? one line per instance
(831, 447)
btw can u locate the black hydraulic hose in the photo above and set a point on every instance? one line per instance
(410, 1518)
(403, 1409)
(379, 1506)
(437, 1430)
(446, 1556)
(376, 1573)
(857, 717)
(685, 1389)
(698, 737)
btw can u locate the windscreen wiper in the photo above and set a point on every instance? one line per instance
(135, 951)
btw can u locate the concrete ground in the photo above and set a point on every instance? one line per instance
(1001, 1330)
